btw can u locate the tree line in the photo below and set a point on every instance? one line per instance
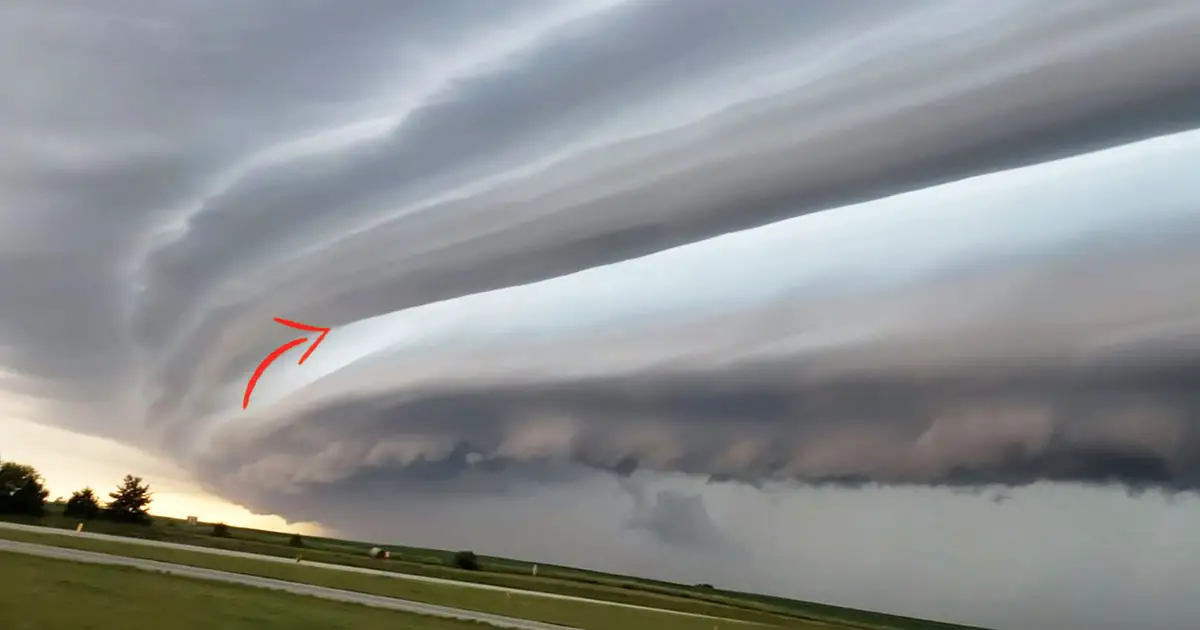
(23, 492)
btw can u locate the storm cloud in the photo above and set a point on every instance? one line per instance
(569, 249)
(1058, 343)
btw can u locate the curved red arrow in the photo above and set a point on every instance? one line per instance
(278, 352)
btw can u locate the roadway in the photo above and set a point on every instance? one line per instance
(364, 599)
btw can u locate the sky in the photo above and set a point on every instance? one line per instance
(801, 297)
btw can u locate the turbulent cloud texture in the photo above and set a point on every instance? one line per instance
(930, 243)
(1037, 326)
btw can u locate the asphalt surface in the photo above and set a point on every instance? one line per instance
(334, 567)
(365, 599)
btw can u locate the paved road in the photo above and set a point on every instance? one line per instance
(291, 587)
(326, 565)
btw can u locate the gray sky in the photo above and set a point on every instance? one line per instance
(804, 297)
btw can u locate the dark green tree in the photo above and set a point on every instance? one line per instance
(221, 530)
(466, 560)
(296, 541)
(83, 504)
(22, 490)
(130, 502)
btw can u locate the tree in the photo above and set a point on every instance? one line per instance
(22, 490)
(296, 541)
(82, 504)
(466, 560)
(130, 502)
(221, 530)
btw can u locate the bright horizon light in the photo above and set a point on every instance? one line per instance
(70, 461)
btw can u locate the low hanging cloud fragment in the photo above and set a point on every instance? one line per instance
(679, 519)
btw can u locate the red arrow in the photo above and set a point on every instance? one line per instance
(262, 367)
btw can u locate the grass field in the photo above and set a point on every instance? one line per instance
(584, 615)
(502, 572)
(51, 594)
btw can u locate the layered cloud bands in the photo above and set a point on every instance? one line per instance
(443, 182)
(1030, 325)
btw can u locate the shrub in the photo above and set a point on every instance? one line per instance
(83, 504)
(296, 541)
(22, 490)
(466, 560)
(221, 530)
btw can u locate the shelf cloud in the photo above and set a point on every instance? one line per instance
(1014, 328)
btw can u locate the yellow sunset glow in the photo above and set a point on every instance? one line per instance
(69, 461)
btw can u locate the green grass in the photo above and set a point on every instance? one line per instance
(52, 594)
(584, 615)
(510, 573)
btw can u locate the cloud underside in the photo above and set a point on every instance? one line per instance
(1136, 428)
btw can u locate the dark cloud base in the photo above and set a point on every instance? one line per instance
(1138, 429)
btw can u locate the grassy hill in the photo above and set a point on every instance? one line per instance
(508, 573)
